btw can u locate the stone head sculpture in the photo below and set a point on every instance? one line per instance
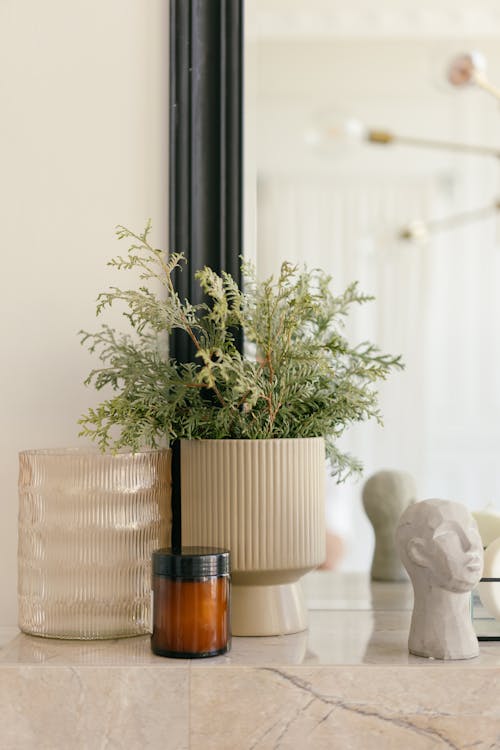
(386, 495)
(441, 549)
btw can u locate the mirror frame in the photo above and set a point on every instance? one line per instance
(206, 161)
(205, 142)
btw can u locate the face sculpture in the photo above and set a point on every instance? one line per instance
(439, 539)
(385, 496)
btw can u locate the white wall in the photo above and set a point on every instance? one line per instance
(83, 147)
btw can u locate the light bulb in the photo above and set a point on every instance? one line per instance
(332, 130)
(350, 129)
(464, 68)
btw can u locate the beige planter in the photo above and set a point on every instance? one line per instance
(265, 501)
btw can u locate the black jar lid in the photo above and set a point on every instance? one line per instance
(193, 562)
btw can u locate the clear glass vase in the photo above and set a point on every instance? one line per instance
(88, 524)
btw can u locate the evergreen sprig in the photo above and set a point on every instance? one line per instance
(304, 379)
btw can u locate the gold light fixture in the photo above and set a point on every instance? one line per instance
(385, 137)
(464, 70)
(352, 130)
(420, 231)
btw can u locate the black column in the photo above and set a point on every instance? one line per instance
(206, 170)
(206, 96)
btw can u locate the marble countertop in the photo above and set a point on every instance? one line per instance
(348, 676)
(351, 621)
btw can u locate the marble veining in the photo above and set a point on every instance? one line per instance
(356, 708)
(352, 708)
(347, 683)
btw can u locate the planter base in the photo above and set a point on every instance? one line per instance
(267, 610)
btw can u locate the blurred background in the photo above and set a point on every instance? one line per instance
(417, 225)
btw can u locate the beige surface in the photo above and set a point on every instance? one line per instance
(58, 708)
(347, 683)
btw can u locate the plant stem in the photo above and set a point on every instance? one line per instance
(172, 291)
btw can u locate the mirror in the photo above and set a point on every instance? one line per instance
(318, 77)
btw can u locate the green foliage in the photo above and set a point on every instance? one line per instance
(304, 380)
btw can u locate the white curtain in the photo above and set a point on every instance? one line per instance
(436, 304)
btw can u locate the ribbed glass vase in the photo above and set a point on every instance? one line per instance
(88, 524)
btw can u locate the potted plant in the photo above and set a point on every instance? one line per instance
(255, 426)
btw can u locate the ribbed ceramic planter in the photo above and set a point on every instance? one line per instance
(88, 524)
(265, 501)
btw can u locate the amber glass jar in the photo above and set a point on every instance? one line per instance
(191, 602)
